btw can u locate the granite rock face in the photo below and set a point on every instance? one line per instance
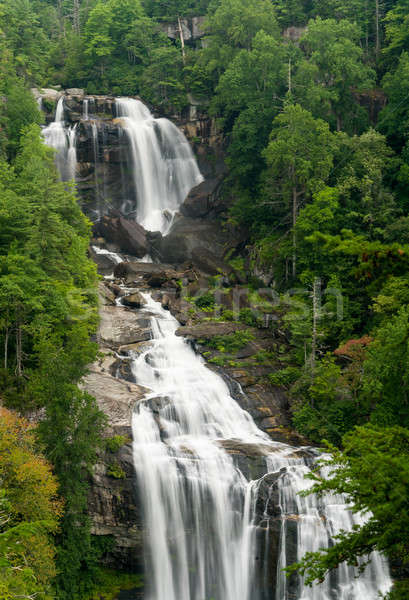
(104, 177)
(124, 332)
(112, 503)
(126, 234)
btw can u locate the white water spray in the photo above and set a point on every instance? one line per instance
(200, 510)
(62, 139)
(163, 165)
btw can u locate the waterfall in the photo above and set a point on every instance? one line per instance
(163, 165)
(85, 109)
(201, 512)
(95, 152)
(62, 139)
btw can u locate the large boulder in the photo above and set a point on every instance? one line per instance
(128, 235)
(75, 91)
(188, 234)
(134, 271)
(135, 300)
(208, 329)
(104, 260)
(201, 199)
(205, 260)
(118, 327)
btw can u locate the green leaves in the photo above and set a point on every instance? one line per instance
(331, 72)
(48, 311)
(300, 152)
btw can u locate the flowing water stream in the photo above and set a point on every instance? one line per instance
(62, 139)
(162, 163)
(203, 530)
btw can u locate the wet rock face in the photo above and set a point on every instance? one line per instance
(189, 237)
(104, 178)
(114, 510)
(118, 327)
(128, 235)
(125, 332)
(113, 505)
(134, 300)
(203, 200)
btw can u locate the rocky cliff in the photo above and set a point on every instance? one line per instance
(103, 177)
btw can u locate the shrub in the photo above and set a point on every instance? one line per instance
(113, 444)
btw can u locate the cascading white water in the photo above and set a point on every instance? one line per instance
(163, 165)
(200, 510)
(113, 256)
(95, 151)
(62, 139)
(318, 520)
(71, 152)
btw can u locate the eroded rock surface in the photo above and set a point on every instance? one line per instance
(119, 326)
(112, 504)
(129, 236)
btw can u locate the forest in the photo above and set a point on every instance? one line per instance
(317, 136)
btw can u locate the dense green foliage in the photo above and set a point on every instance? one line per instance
(317, 129)
(48, 310)
(29, 513)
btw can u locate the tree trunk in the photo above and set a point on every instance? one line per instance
(6, 349)
(315, 316)
(19, 352)
(339, 123)
(295, 208)
(182, 40)
(377, 43)
(289, 77)
(76, 17)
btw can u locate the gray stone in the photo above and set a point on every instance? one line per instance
(105, 294)
(209, 329)
(134, 300)
(131, 271)
(188, 234)
(128, 235)
(201, 199)
(75, 91)
(205, 260)
(115, 397)
(119, 327)
(50, 94)
(134, 349)
(104, 262)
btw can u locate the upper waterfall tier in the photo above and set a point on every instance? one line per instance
(62, 139)
(162, 164)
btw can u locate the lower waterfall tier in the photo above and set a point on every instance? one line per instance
(214, 529)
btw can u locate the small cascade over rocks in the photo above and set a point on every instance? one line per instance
(63, 140)
(210, 528)
(162, 163)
